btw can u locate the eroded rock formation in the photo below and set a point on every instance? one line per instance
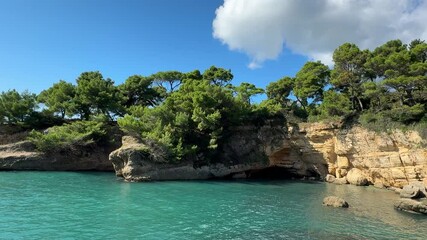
(384, 159)
(355, 156)
(245, 151)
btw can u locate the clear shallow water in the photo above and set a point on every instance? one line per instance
(68, 205)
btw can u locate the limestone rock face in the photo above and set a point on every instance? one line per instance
(334, 201)
(353, 155)
(356, 177)
(249, 148)
(386, 159)
(411, 205)
(394, 159)
(341, 181)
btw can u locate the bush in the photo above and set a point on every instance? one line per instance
(40, 120)
(382, 122)
(406, 114)
(65, 136)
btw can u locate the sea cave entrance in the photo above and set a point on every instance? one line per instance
(273, 172)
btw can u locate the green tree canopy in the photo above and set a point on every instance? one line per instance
(138, 90)
(310, 82)
(59, 98)
(279, 91)
(335, 105)
(218, 76)
(170, 80)
(96, 95)
(191, 120)
(376, 63)
(348, 73)
(16, 107)
(245, 91)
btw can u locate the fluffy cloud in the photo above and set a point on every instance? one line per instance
(314, 28)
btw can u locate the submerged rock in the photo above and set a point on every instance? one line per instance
(410, 205)
(335, 201)
(413, 190)
(356, 177)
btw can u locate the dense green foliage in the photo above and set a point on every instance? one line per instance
(190, 113)
(16, 107)
(387, 85)
(59, 98)
(68, 135)
(191, 120)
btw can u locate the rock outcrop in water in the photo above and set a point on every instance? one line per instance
(414, 190)
(335, 201)
(410, 205)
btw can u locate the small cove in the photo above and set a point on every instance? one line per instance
(90, 205)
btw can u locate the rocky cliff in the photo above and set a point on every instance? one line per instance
(384, 159)
(247, 152)
(353, 155)
(18, 154)
(326, 151)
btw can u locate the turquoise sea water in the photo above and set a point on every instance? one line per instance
(69, 205)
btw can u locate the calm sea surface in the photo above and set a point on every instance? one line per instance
(69, 205)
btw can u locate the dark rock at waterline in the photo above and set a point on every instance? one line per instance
(413, 190)
(335, 201)
(412, 206)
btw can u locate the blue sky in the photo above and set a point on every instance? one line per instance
(43, 41)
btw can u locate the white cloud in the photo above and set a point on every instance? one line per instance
(314, 28)
(254, 65)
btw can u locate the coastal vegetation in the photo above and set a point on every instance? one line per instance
(190, 112)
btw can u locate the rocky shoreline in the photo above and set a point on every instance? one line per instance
(16, 153)
(322, 151)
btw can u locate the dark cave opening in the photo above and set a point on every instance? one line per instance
(273, 172)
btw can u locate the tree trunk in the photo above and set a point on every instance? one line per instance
(360, 103)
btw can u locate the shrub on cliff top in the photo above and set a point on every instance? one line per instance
(60, 137)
